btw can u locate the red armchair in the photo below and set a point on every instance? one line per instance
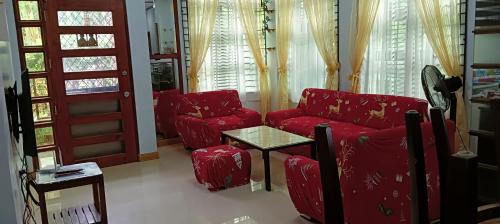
(370, 141)
(202, 116)
(165, 112)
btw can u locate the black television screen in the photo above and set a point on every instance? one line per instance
(26, 115)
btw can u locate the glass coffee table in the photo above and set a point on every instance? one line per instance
(267, 139)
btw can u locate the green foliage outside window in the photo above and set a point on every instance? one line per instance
(35, 62)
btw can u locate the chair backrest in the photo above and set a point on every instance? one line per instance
(332, 198)
(416, 163)
(458, 174)
(443, 150)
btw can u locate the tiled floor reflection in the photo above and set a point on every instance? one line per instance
(165, 191)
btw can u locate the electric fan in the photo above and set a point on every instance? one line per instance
(440, 91)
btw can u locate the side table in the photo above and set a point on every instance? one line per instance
(91, 174)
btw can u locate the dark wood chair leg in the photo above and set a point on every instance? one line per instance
(95, 194)
(102, 201)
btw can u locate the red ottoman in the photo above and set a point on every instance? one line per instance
(221, 167)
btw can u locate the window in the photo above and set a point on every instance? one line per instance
(397, 52)
(306, 66)
(229, 63)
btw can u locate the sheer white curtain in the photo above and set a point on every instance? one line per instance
(306, 67)
(229, 63)
(397, 52)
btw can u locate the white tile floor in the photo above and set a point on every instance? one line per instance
(165, 191)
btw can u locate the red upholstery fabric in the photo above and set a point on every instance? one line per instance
(209, 104)
(221, 167)
(371, 110)
(165, 112)
(370, 140)
(224, 112)
(374, 176)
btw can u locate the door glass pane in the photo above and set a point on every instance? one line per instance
(86, 86)
(85, 18)
(108, 127)
(32, 36)
(44, 136)
(46, 159)
(96, 150)
(88, 64)
(35, 62)
(41, 112)
(94, 107)
(38, 87)
(85, 41)
(28, 10)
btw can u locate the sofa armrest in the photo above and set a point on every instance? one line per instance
(274, 119)
(250, 117)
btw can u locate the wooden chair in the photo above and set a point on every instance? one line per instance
(458, 177)
(333, 210)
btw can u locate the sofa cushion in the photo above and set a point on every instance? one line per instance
(209, 104)
(345, 129)
(226, 123)
(323, 103)
(303, 125)
(380, 111)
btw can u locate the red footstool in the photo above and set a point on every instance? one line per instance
(221, 167)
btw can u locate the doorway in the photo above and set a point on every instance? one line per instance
(87, 58)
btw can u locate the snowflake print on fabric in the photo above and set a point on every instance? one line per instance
(237, 160)
(371, 181)
(404, 143)
(292, 163)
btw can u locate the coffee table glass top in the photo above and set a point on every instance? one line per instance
(267, 138)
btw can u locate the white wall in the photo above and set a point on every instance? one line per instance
(11, 201)
(141, 73)
(345, 9)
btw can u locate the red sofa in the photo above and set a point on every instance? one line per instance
(370, 140)
(202, 116)
(165, 112)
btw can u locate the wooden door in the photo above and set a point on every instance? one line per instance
(90, 64)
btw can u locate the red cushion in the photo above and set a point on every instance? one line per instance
(323, 103)
(381, 111)
(209, 104)
(221, 167)
(303, 125)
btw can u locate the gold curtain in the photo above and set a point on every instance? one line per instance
(321, 16)
(250, 21)
(284, 18)
(441, 22)
(363, 17)
(201, 19)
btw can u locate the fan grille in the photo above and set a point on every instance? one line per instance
(434, 87)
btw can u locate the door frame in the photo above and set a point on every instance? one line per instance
(61, 97)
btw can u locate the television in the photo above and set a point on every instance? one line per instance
(26, 115)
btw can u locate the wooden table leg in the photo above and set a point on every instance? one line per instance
(223, 139)
(43, 207)
(102, 201)
(267, 169)
(313, 151)
(95, 193)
